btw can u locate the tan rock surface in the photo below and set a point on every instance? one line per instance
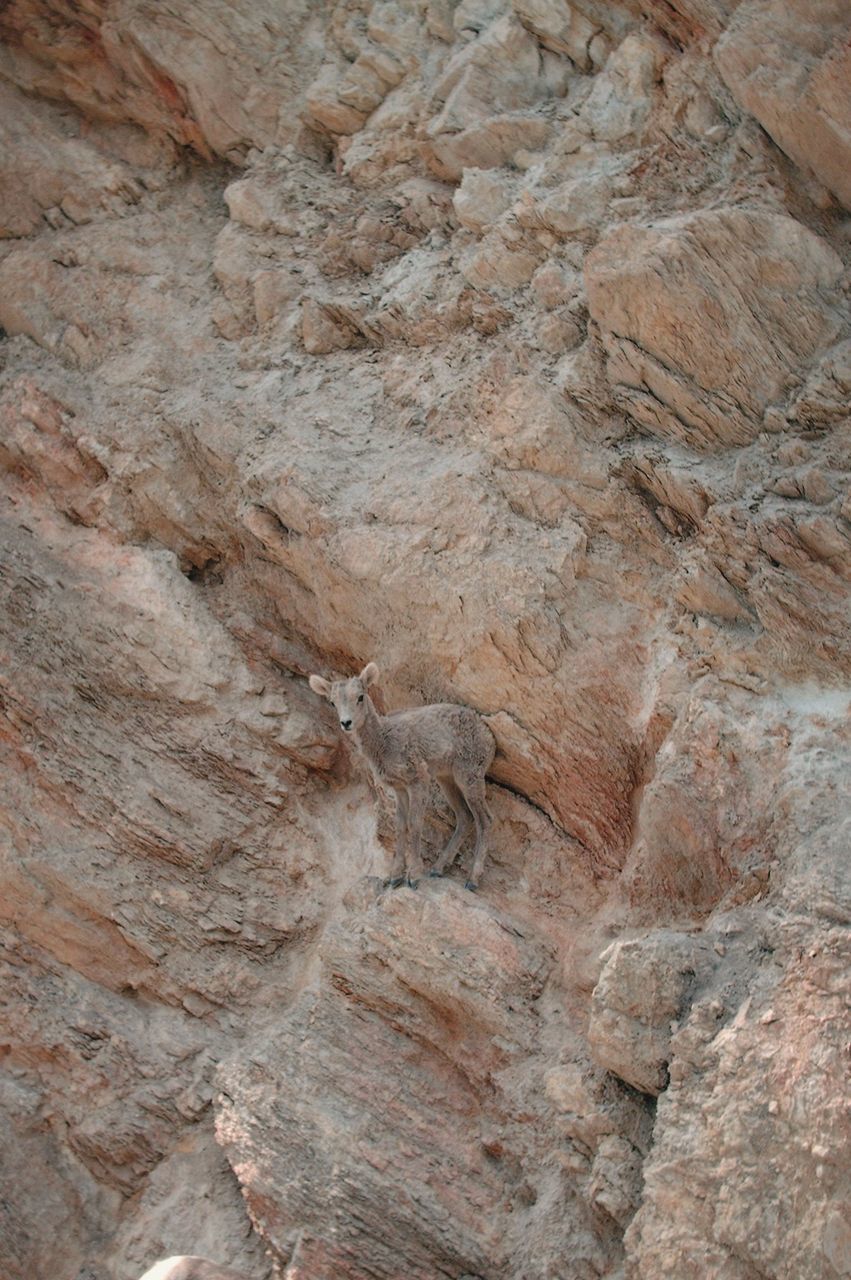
(789, 65)
(412, 1059)
(221, 80)
(763, 279)
(497, 343)
(644, 987)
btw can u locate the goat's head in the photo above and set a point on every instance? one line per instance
(349, 697)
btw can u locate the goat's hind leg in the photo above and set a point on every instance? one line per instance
(419, 795)
(403, 815)
(474, 794)
(463, 824)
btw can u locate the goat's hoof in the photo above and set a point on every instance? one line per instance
(471, 885)
(394, 882)
(434, 874)
(412, 884)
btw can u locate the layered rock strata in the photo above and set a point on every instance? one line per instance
(506, 345)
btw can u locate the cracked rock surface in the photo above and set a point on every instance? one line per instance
(506, 345)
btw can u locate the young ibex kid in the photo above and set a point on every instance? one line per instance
(407, 749)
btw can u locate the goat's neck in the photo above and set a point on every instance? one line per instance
(369, 736)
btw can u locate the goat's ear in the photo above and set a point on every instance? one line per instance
(320, 686)
(369, 675)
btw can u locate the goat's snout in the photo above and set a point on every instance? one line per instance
(347, 724)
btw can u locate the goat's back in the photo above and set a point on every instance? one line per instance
(444, 731)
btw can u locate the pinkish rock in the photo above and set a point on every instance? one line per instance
(789, 65)
(651, 288)
(644, 988)
(349, 405)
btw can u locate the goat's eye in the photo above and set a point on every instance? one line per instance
(360, 699)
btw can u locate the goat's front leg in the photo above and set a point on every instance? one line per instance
(403, 813)
(419, 795)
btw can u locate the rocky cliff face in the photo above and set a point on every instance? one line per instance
(506, 345)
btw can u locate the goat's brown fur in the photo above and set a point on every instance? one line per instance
(407, 749)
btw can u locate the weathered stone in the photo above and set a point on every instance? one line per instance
(357, 1116)
(789, 65)
(554, 284)
(186, 1267)
(557, 334)
(563, 28)
(622, 97)
(320, 331)
(480, 199)
(273, 291)
(577, 206)
(54, 175)
(651, 288)
(325, 107)
(823, 401)
(689, 21)
(645, 987)
(197, 510)
(500, 266)
(706, 591)
(489, 145)
(761, 1145)
(216, 79)
(501, 72)
(234, 265)
(615, 1185)
(482, 91)
(257, 204)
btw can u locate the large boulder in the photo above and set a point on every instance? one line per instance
(220, 78)
(645, 986)
(704, 317)
(788, 62)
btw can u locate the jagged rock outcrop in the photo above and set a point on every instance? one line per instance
(505, 344)
(788, 64)
(766, 281)
(407, 1147)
